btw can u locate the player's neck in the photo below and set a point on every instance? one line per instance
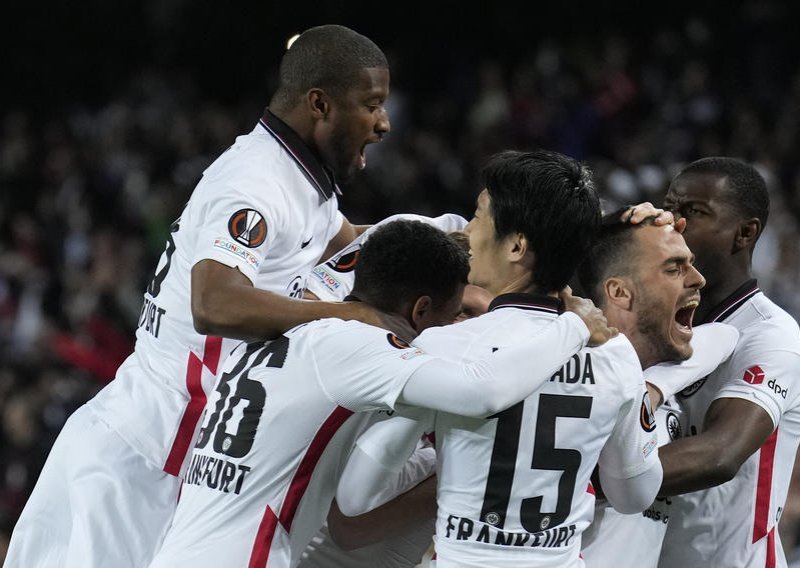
(714, 293)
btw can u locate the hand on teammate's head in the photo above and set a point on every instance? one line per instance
(642, 211)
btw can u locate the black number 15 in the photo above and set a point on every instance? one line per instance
(545, 456)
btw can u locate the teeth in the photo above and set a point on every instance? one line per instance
(690, 304)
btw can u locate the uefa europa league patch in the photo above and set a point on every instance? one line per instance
(248, 228)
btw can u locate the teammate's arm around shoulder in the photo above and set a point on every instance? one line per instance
(492, 384)
(225, 302)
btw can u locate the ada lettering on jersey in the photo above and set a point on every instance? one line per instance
(577, 370)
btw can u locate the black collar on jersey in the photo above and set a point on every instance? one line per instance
(316, 173)
(733, 302)
(522, 301)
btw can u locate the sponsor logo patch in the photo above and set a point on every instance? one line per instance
(646, 417)
(248, 228)
(673, 426)
(754, 375)
(237, 250)
(649, 447)
(296, 287)
(326, 278)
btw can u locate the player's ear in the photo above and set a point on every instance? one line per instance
(619, 293)
(518, 249)
(747, 233)
(420, 310)
(318, 103)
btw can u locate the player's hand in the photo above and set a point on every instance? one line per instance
(592, 316)
(638, 213)
(395, 323)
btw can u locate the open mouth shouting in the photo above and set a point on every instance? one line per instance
(683, 318)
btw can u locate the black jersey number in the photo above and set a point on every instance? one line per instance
(545, 456)
(154, 288)
(238, 444)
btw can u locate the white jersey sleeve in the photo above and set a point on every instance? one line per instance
(375, 469)
(361, 367)
(712, 343)
(631, 448)
(242, 229)
(333, 279)
(764, 376)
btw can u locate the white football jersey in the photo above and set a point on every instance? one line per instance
(735, 524)
(514, 488)
(333, 279)
(610, 531)
(275, 437)
(399, 551)
(267, 207)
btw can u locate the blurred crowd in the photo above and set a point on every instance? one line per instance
(88, 194)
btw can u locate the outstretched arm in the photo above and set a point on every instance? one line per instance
(490, 385)
(734, 430)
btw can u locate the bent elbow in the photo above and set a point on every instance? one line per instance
(201, 320)
(633, 504)
(724, 470)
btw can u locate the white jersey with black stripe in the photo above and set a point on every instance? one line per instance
(735, 524)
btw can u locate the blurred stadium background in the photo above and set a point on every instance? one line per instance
(110, 111)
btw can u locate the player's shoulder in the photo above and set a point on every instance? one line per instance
(350, 334)
(456, 337)
(617, 354)
(770, 327)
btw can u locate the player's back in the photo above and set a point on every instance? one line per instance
(275, 436)
(514, 488)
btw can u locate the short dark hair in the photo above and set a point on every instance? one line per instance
(551, 199)
(610, 256)
(403, 260)
(329, 57)
(749, 195)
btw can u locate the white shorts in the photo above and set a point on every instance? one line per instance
(97, 503)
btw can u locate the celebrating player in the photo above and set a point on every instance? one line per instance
(262, 216)
(743, 420)
(641, 275)
(512, 487)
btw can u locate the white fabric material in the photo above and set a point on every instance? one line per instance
(610, 531)
(333, 279)
(401, 551)
(633, 494)
(608, 376)
(79, 515)
(735, 524)
(712, 343)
